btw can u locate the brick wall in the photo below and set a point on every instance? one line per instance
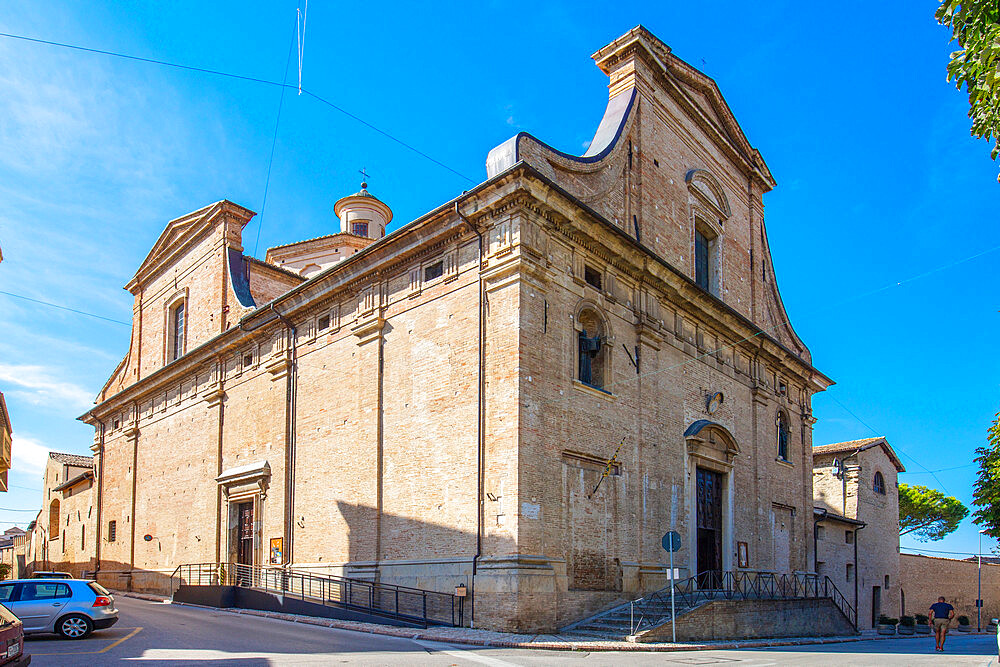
(924, 578)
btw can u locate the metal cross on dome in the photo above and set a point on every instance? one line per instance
(364, 175)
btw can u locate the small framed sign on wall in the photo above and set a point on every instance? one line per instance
(742, 554)
(277, 552)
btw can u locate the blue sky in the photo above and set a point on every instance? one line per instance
(879, 184)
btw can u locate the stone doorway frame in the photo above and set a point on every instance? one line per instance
(240, 485)
(709, 445)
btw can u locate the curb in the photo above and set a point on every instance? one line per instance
(430, 635)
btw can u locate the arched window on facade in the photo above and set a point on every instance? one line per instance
(782, 436)
(175, 325)
(705, 257)
(54, 519)
(591, 349)
(878, 485)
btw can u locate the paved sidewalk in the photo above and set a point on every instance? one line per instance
(472, 637)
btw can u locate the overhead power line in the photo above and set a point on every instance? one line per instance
(927, 472)
(241, 77)
(72, 310)
(938, 551)
(899, 449)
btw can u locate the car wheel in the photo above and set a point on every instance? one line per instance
(74, 627)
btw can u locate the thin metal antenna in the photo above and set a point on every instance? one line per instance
(300, 30)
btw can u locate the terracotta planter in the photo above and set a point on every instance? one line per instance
(906, 629)
(884, 629)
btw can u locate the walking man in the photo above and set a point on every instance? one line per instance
(940, 619)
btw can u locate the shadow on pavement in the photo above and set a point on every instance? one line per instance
(978, 645)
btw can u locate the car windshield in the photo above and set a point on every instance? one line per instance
(6, 617)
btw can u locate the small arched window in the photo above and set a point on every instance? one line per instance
(705, 257)
(176, 323)
(54, 519)
(591, 349)
(782, 436)
(878, 485)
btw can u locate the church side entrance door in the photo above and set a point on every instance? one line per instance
(244, 544)
(709, 519)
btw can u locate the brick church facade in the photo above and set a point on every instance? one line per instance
(438, 405)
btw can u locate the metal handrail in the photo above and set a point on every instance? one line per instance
(739, 584)
(414, 605)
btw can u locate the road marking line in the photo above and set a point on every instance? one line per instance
(464, 654)
(103, 650)
(128, 636)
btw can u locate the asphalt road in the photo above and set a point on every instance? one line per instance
(163, 634)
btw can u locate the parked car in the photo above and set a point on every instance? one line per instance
(51, 575)
(72, 608)
(12, 640)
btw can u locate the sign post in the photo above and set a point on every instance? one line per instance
(672, 542)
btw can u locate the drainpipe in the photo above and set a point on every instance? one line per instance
(289, 440)
(135, 477)
(480, 426)
(857, 573)
(816, 540)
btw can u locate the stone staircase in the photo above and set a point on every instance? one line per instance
(653, 610)
(618, 623)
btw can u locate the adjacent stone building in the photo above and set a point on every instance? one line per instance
(62, 537)
(857, 524)
(6, 433)
(439, 405)
(13, 545)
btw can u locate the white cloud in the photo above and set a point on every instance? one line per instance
(29, 455)
(39, 387)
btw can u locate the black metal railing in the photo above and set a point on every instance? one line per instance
(414, 605)
(653, 609)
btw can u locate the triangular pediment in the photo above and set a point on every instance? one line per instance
(698, 93)
(182, 231)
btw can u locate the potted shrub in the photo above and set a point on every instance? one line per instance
(922, 627)
(906, 625)
(886, 625)
(963, 624)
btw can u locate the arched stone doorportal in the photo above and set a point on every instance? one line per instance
(711, 453)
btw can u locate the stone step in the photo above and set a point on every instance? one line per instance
(594, 636)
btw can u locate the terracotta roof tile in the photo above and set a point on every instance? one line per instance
(72, 459)
(861, 445)
(848, 446)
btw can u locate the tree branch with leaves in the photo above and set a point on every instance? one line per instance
(986, 491)
(928, 513)
(975, 25)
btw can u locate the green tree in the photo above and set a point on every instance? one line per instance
(928, 513)
(986, 491)
(975, 25)
(4, 570)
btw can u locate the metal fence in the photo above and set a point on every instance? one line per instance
(409, 604)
